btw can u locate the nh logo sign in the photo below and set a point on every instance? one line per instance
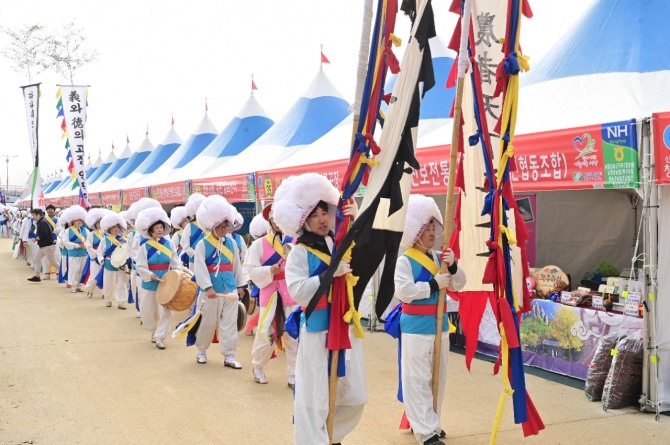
(618, 131)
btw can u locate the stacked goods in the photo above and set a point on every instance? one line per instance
(599, 367)
(624, 380)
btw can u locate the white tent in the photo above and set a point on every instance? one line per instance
(98, 184)
(128, 167)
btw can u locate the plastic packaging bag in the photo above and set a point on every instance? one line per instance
(624, 380)
(599, 367)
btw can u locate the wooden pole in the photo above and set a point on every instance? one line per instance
(449, 210)
(332, 393)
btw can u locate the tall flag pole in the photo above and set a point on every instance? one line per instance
(72, 105)
(31, 97)
(494, 89)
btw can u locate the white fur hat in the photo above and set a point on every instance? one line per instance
(297, 196)
(112, 219)
(148, 217)
(213, 211)
(136, 207)
(193, 203)
(239, 220)
(177, 215)
(74, 213)
(420, 211)
(94, 215)
(259, 226)
(62, 218)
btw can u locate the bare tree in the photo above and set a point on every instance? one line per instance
(28, 49)
(68, 53)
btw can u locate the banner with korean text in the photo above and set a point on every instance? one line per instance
(171, 193)
(72, 103)
(236, 188)
(131, 196)
(31, 97)
(661, 127)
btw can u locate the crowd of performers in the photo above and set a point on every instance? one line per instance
(125, 257)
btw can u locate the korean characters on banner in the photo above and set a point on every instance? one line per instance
(73, 100)
(597, 156)
(238, 188)
(131, 196)
(173, 193)
(268, 181)
(31, 96)
(661, 126)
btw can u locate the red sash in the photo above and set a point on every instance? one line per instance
(322, 304)
(220, 268)
(421, 309)
(164, 266)
(279, 276)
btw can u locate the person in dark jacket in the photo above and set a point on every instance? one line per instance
(45, 241)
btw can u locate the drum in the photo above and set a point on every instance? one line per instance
(246, 300)
(241, 316)
(177, 292)
(119, 256)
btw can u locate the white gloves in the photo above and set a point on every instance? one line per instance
(342, 269)
(447, 256)
(443, 280)
(350, 209)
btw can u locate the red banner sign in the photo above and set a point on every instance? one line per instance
(661, 124)
(131, 196)
(94, 199)
(238, 188)
(68, 201)
(172, 193)
(268, 181)
(110, 198)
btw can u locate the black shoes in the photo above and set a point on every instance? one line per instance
(435, 440)
(35, 279)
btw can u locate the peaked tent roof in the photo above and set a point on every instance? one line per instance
(116, 165)
(194, 145)
(109, 160)
(434, 123)
(314, 114)
(613, 65)
(155, 160)
(130, 165)
(94, 166)
(245, 128)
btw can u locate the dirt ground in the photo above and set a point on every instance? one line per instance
(73, 371)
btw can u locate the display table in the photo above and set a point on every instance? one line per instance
(558, 338)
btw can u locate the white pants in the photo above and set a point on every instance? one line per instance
(417, 369)
(135, 284)
(261, 351)
(74, 271)
(48, 252)
(154, 316)
(221, 314)
(33, 248)
(311, 390)
(114, 285)
(91, 284)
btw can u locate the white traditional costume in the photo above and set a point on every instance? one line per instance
(264, 253)
(154, 258)
(114, 277)
(417, 284)
(296, 198)
(192, 233)
(177, 217)
(74, 240)
(95, 237)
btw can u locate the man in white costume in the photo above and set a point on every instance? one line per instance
(418, 283)
(305, 207)
(192, 233)
(95, 237)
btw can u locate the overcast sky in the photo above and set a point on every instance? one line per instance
(163, 56)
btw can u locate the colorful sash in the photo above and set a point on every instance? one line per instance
(220, 247)
(158, 246)
(50, 221)
(196, 235)
(77, 235)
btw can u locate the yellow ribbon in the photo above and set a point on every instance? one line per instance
(507, 389)
(160, 247)
(78, 234)
(221, 247)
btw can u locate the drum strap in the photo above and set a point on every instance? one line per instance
(317, 253)
(51, 221)
(159, 246)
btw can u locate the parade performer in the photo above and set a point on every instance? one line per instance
(179, 219)
(417, 284)
(62, 227)
(264, 264)
(258, 227)
(220, 277)
(155, 257)
(305, 206)
(28, 236)
(51, 218)
(44, 243)
(239, 240)
(74, 240)
(114, 278)
(135, 240)
(192, 233)
(95, 237)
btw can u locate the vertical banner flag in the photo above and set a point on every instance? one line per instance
(72, 103)
(31, 97)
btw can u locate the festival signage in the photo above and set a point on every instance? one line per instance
(72, 103)
(94, 199)
(268, 181)
(131, 196)
(661, 127)
(171, 193)
(31, 96)
(596, 156)
(237, 188)
(110, 199)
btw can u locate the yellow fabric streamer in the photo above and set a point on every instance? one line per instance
(58, 93)
(352, 315)
(397, 41)
(507, 389)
